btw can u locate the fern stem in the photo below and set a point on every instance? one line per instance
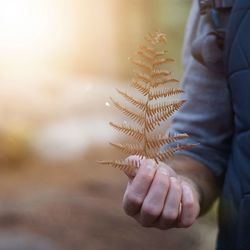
(146, 146)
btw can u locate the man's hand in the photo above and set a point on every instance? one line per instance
(158, 197)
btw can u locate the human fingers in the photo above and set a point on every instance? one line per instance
(154, 201)
(170, 213)
(190, 206)
(138, 187)
(131, 172)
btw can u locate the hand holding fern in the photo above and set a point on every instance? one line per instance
(158, 197)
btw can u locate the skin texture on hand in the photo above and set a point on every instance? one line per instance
(158, 197)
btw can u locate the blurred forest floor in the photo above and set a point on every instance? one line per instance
(54, 196)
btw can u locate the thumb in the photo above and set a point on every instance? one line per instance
(134, 161)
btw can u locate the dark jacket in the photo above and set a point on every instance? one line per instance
(235, 203)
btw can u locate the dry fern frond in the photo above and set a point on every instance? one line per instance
(139, 118)
(163, 107)
(138, 103)
(128, 166)
(165, 93)
(145, 55)
(156, 118)
(143, 76)
(163, 61)
(150, 81)
(128, 130)
(140, 86)
(163, 140)
(169, 153)
(143, 65)
(161, 72)
(148, 49)
(129, 148)
(164, 80)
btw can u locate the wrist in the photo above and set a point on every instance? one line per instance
(200, 178)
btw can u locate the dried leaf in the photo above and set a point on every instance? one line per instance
(156, 118)
(164, 107)
(165, 93)
(169, 153)
(132, 149)
(128, 166)
(128, 130)
(163, 140)
(162, 61)
(142, 65)
(144, 77)
(150, 80)
(140, 86)
(138, 103)
(164, 80)
(161, 72)
(133, 115)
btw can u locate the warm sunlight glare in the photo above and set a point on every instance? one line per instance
(31, 32)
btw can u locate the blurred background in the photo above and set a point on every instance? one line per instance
(60, 60)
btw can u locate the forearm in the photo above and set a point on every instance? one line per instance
(199, 176)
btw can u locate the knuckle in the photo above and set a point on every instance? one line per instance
(187, 223)
(176, 185)
(145, 177)
(134, 199)
(189, 205)
(170, 215)
(162, 181)
(151, 210)
(178, 188)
